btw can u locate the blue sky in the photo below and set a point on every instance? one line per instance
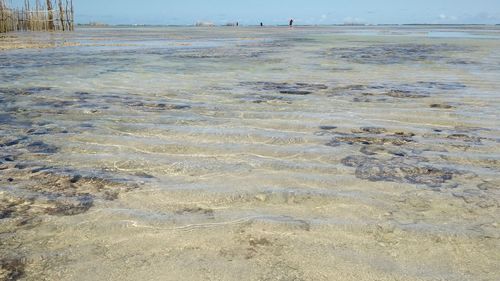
(279, 11)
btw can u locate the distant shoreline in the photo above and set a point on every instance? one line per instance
(280, 25)
(26, 40)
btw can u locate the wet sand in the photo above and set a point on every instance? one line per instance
(325, 153)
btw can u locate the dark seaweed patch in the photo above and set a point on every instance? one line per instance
(461, 62)
(157, 106)
(216, 53)
(5, 118)
(361, 135)
(361, 100)
(82, 94)
(464, 138)
(20, 166)
(295, 92)
(11, 269)
(398, 93)
(477, 197)
(259, 242)
(179, 106)
(488, 185)
(45, 131)
(286, 88)
(266, 99)
(328, 128)
(41, 147)
(384, 92)
(468, 129)
(6, 209)
(69, 206)
(73, 184)
(375, 150)
(398, 157)
(393, 53)
(144, 175)
(24, 91)
(195, 210)
(45, 191)
(13, 142)
(371, 130)
(393, 139)
(441, 106)
(9, 158)
(54, 103)
(103, 59)
(449, 86)
(397, 169)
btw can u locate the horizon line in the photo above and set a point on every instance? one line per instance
(210, 24)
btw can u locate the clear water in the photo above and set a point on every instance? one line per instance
(325, 153)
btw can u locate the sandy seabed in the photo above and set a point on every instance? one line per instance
(313, 153)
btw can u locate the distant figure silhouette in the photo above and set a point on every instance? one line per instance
(261, 24)
(291, 22)
(237, 24)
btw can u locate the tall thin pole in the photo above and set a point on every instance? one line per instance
(72, 17)
(51, 15)
(61, 15)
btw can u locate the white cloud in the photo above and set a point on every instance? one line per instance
(443, 18)
(353, 20)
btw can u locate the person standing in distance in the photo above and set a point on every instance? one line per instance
(291, 22)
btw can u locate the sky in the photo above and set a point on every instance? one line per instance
(272, 12)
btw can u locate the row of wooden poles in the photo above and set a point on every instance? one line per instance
(50, 15)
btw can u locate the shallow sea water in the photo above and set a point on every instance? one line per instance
(318, 153)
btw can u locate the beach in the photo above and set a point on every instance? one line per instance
(275, 153)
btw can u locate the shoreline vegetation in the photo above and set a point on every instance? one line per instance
(49, 15)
